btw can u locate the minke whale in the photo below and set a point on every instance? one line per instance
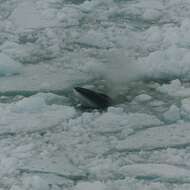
(91, 99)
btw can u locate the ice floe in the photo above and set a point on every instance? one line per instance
(175, 135)
(136, 50)
(8, 66)
(158, 172)
(173, 114)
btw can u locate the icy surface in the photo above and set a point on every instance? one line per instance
(8, 66)
(137, 52)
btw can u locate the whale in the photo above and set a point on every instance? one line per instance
(91, 99)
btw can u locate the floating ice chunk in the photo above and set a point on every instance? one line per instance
(51, 98)
(33, 114)
(175, 88)
(110, 122)
(173, 114)
(143, 98)
(90, 186)
(165, 64)
(140, 120)
(30, 105)
(117, 120)
(37, 103)
(185, 108)
(157, 103)
(160, 172)
(175, 135)
(8, 66)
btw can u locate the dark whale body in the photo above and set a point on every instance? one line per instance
(92, 99)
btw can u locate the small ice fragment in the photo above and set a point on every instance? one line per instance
(173, 114)
(143, 98)
(157, 103)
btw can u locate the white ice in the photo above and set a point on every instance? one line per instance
(135, 51)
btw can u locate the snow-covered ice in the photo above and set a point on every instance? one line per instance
(143, 98)
(137, 52)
